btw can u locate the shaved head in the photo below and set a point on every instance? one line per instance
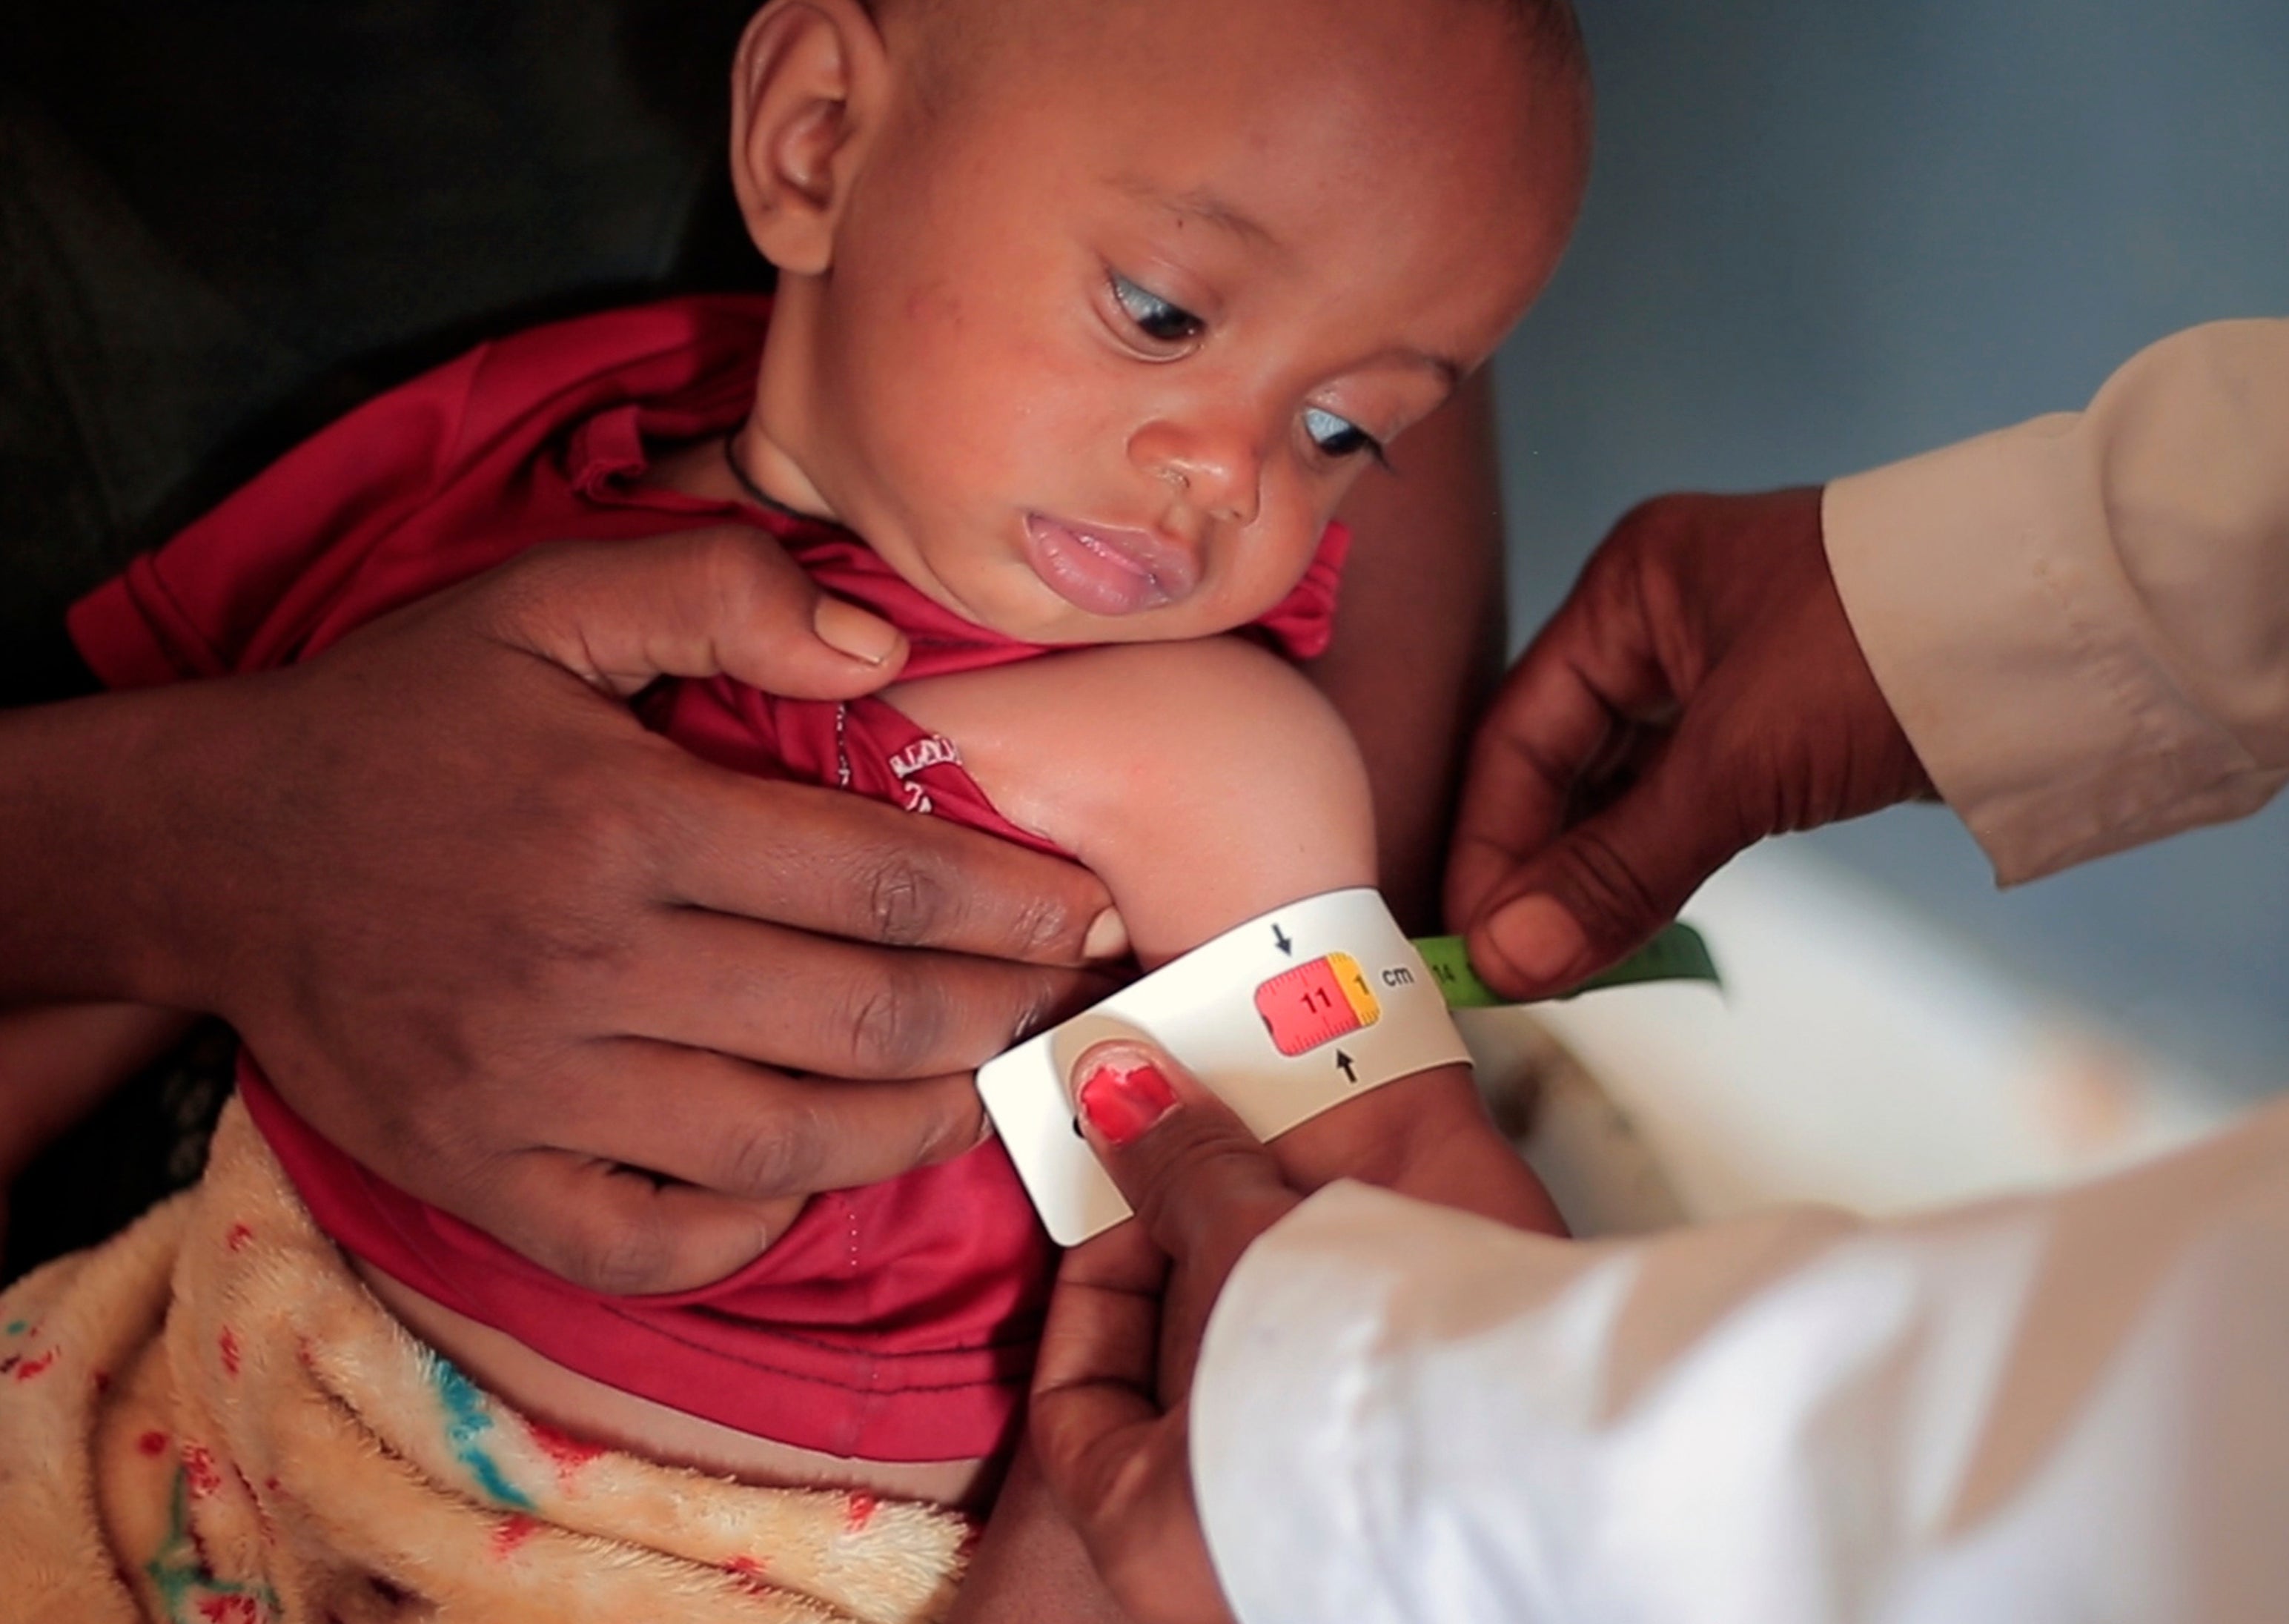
(959, 38)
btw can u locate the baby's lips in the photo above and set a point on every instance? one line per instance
(1173, 566)
(1109, 570)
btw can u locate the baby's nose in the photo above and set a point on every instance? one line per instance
(1218, 465)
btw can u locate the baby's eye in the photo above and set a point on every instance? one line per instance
(1337, 436)
(1156, 318)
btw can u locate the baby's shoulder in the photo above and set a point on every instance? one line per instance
(1219, 709)
(1214, 762)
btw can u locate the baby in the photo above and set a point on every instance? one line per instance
(1087, 312)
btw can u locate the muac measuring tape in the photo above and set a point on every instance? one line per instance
(1288, 1015)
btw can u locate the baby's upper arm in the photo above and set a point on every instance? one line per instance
(1207, 782)
(1203, 781)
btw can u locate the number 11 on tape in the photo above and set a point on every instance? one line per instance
(1316, 1003)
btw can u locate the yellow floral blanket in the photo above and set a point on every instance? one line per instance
(210, 1421)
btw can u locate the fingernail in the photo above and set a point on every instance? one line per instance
(1122, 1101)
(1540, 938)
(1107, 938)
(852, 631)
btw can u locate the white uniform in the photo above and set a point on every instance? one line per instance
(2060, 1408)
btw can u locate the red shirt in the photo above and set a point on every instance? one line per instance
(895, 1322)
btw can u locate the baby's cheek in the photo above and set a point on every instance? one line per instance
(1255, 574)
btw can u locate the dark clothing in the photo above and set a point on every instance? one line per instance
(223, 225)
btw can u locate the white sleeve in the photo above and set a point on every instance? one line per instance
(2059, 1408)
(2083, 621)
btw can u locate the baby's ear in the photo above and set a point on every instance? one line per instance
(806, 92)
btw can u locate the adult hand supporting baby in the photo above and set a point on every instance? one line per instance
(1699, 689)
(498, 940)
(1111, 1391)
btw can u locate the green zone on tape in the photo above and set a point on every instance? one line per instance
(1676, 954)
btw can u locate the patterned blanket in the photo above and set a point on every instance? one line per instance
(210, 1421)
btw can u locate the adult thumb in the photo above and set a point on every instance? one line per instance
(723, 600)
(1201, 1184)
(1608, 884)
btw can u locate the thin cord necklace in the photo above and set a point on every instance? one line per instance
(757, 494)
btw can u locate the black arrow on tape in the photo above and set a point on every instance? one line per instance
(1279, 940)
(1349, 1066)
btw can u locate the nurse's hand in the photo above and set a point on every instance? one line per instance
(1110, 1410)
(503, 944)
(1699, 689)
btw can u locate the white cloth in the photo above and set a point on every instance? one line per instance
(2060, 1408)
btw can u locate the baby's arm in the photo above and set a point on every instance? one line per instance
(1205, 782)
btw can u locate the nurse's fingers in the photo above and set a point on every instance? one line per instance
(1109, 1413)
(1126, 1486)
(1560, 722)
(1117, 1464)
(1539, 749)
(1700, 689)
(1203, 1186)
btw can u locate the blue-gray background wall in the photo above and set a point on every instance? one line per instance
(1822, 234)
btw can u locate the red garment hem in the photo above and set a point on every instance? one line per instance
(904, 1407)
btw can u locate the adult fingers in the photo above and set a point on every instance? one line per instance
(756, 1134)
(611, 1229)
(1608, 883)
(843, 865)
(1547, 724)
(724, 600)
(818, 1004)
(1116, 1463)
(1593, 673)
(1203, 1187)
(1121, 1472)
(1729, 605)
(1100, 1346)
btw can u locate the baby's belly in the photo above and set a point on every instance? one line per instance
(589, 1410)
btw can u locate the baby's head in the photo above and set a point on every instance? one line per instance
(1091, 310)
